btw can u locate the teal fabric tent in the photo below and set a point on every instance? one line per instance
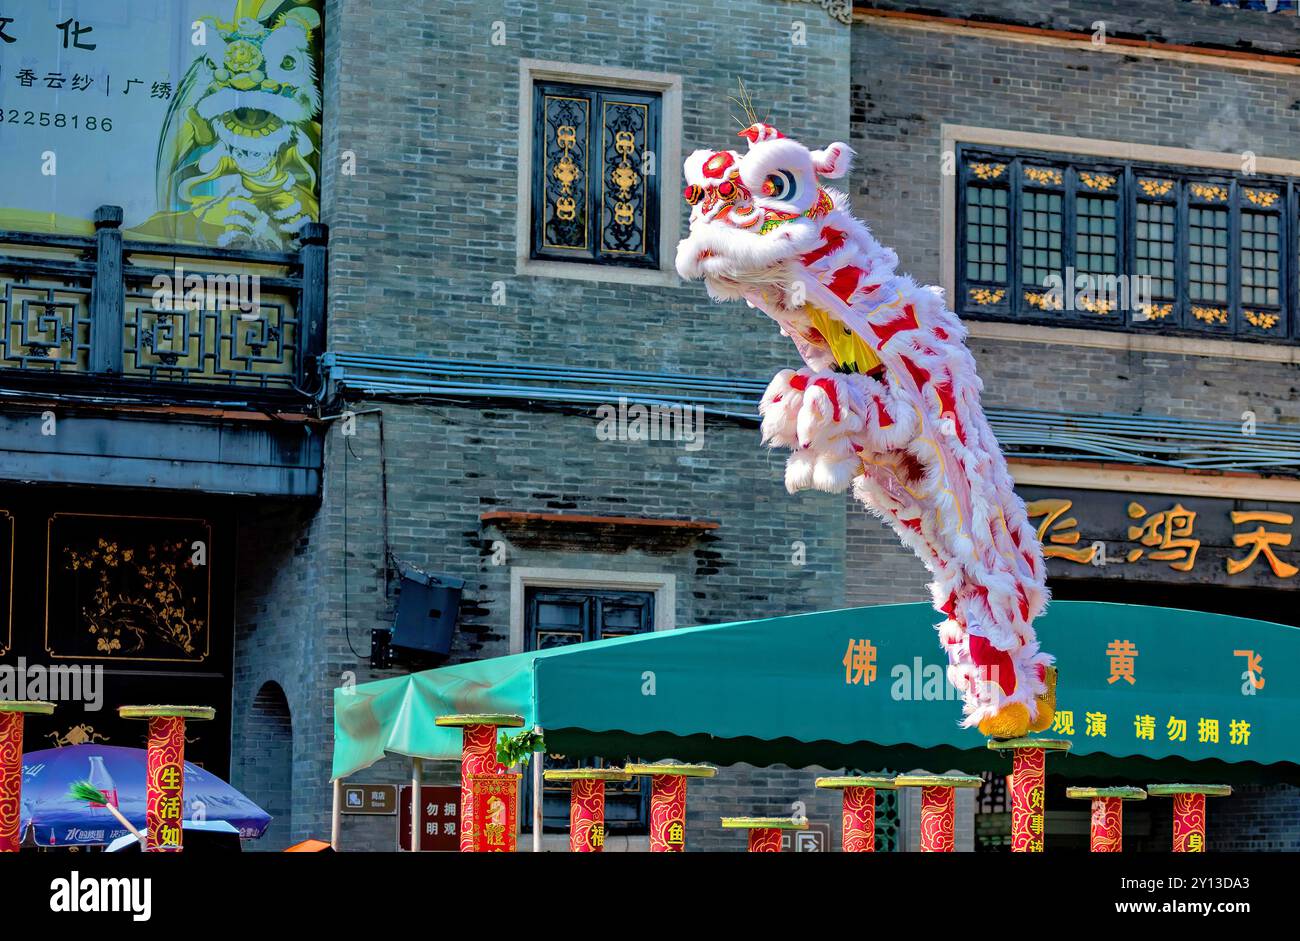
(1146, 694)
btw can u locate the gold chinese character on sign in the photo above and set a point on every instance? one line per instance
(1238, 732)
(1063, 722)
(1195, 843)
(1123, 660)
(596, 835)
(1064, 532)
(1176, 729)
(1168, 533)
(1096, 727)
(170, 807)
(860, 663)
(1145, 727)
(1254, 675)
(1261, 541)
(676, 832)
(1207, 731)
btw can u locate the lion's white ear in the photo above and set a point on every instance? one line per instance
(833, 162)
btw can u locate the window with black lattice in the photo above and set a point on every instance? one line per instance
(595, 185)
(1166, 248)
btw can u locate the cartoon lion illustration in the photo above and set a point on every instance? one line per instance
(234, 159)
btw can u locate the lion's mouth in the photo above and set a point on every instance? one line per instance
(251, 122)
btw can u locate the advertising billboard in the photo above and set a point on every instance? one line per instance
(200, 118)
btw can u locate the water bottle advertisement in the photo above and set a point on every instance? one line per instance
(56, 817)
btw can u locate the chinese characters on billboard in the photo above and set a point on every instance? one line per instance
(201, 118)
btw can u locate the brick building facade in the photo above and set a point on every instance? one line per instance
(425, 232)
(464, 368)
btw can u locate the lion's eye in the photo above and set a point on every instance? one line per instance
(780, 185)
(288, 63)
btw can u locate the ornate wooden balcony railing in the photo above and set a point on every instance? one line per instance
(148, 316)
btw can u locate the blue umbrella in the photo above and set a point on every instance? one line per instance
(57, 819)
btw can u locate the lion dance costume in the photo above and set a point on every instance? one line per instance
(887, 403)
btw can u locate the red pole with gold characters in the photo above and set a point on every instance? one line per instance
(764, 832)
(1027, 784)
(1189, 811)
(859, 814)
(668, 802)
(13, 712)
(587, 804)
(165, 771)
(1106, 831)
(478, 755)
(938, 806)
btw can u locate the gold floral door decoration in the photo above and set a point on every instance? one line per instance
(128, 588)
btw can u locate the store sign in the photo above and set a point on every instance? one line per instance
(372, 800)
(1158, 537)
(201, 118)
(439, 818)
(496, 812)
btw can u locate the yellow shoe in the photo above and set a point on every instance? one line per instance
(1011, 722)
(1046, 703)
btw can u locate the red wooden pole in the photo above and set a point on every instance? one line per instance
(12, 716)
(165, 772)
(1106, 828)
(1027, 785)
(1189, 811)
(764, 832)
(938, 807)
(587, 804)
(478, 755)
(858, 816)
(668, 802)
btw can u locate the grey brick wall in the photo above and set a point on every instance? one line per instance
(426, 226)
(1180, 22)
(265, 770)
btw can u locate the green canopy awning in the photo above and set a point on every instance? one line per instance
(1145, 694)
